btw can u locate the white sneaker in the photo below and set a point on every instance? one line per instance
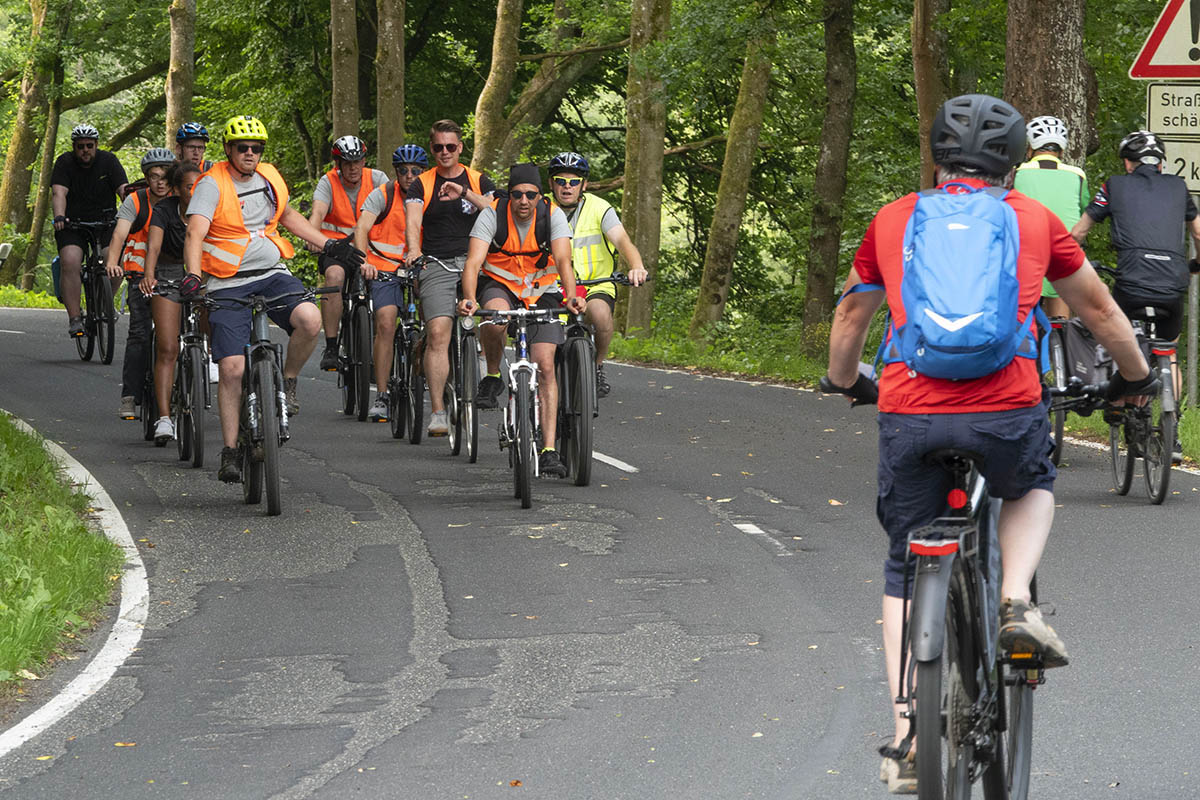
(214, 374)
(438, 425)
(164, 431)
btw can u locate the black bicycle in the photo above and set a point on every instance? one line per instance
(406, 386)
(99, 314)
(355, 336)
(461, 387)
(190, 393)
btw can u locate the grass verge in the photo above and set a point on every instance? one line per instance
(55, 572)
(12, 297)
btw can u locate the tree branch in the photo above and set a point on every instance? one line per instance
(119, 85)
(594, 48)
(9, 74)
(681, 149)
(135, 126)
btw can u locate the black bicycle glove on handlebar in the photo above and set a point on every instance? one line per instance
(189, 286)
(344, 252)
(864, 392)
(1193, 266)
(1119, 387)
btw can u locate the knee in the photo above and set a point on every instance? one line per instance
(230, 369)
(306, 320)
(334, 276)
(168, 347)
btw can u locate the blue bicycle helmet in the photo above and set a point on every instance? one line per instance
(569, 162)
(191, 130)
(410, 154)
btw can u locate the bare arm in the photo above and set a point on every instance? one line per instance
(476, 252)
(294, 221)
(629, 252)
(1088, 297)
(58, 203)
(851, 321)
(319, 209)
(112, 259)
(1194, 229)
(153, 248)
(561, 250)
(362, 228)
(197, 229)
(414, 216)
(1079, 230)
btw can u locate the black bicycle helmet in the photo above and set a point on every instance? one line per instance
(191, 130)
(569, 162)
(1143, 146)
(349, 148)
(978, 133)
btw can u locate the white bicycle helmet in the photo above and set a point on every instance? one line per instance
(1042, 131)
(84, 131)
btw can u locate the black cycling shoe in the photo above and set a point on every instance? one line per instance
(602, 387)
(329, 359)
(75, 327)
(550, 465)
(231, 465)
(489, 392)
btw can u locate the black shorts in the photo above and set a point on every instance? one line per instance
(606, 298)
(1167, 327)
(67, 237)
(539, 332)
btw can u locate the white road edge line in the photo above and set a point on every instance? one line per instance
(131, 619)
(614, 462)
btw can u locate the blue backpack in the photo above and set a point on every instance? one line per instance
(960, 290)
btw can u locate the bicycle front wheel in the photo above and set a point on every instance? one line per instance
(268, 394)
(452, 400)
(581, 373)
(1058, 374)
(398, 386)
(149, 400)
(106, 318)
(252, 465)
(180, 400)
(524, 451)
(467, 412)
(346, 357)
(415, 387)
(362, 361)
(197, 384)
(85, 345)
(1122, 459)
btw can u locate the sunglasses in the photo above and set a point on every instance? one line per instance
(530, 195)
(85, 146)
(409, 170)
(567, 181)
(449, 148)
(249, 148)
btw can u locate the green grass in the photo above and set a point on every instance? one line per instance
(12, 297)
(55, 572)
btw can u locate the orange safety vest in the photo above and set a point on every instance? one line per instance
(429, 177)
(385, 240)
(341, 216)
(133, 255)
(528, 272)
(227, 238)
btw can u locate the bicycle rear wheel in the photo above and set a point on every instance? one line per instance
(1160, 437)
(149, 400)
(415, 386)
(1058, 375)
(581, 372)
(398, 386)
(106, 317)
(452, 399)
(524, 451)
(1122, 459)
(470, 384)
(180, 402)
(346, 359)
(362, 361)
(946, 688)
(198, 383)
(85, 345)
(268, 393)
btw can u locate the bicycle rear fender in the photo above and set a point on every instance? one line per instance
(927, 627)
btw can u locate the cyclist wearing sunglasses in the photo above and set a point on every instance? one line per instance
(233, 239)
(337, 199)
(380, 233)
(441, 208)
(523, 247)
(596, 231)
(84, 187)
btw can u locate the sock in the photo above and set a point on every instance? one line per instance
(330, 342)
(493, 374)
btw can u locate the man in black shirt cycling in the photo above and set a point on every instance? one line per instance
(84, 186)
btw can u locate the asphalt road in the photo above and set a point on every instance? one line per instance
(705, 626)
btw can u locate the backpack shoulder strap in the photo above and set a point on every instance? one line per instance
(500, 237)
(389, 196)
(143, 215)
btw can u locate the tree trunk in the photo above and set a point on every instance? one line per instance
(491, 126)
(311, 166)
(343, 28)
(181, 74)
(1046, 75)
(42, 205)
(930, 74)
(829, 188)
(389, 78)
(646, 123)
(741, 150)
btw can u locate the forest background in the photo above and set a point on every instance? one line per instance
(746, 144)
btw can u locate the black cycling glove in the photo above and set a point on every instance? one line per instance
(1193, 266)
(189, 286)
(1118, 387)
(864, 392)
(344, 252)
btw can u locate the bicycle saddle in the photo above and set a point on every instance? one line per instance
(952, 459)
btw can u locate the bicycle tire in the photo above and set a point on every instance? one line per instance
(252, 469)
(149, 408)
(415, 389)
(198, 383)
(362, 361)
(85, 345)
(1119, 455)
(467, 410)
(524, 452)
(180, 398)
(581, 366)
(1160, 440)
(268, 393)
(1058, 374)
(398, 385)
(945, 691)
(106, 318)
(345, 368)
(452, 400)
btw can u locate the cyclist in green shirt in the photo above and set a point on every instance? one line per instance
(1060, 187)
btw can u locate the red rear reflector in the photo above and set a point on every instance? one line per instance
(927, 548)
(1159, 352)
(957, 498)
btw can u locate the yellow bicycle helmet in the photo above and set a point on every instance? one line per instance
(244, 128)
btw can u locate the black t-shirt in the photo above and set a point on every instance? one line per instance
(446, 226)
(174, 229)
(91, 191)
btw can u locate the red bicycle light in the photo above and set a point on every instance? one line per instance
(957, 498)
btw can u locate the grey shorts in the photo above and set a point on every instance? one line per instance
(549, 333)
(437, 288)
(173, 273)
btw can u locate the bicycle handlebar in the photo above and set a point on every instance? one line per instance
(534, 314)
(1077, 388)
(266, 302)
(617, 277)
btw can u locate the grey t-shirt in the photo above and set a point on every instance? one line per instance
(258, 206)
(324, 192)
(376, 202)
(485, 225)
(127, 211)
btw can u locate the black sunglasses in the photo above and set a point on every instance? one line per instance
(449, 148)
(530, 195)
(249, 148)
(85, 145)
(413, 170)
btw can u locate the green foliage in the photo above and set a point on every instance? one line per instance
(55, 573)
(12, 297)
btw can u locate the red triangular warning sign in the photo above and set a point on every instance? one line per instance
(1172, 50)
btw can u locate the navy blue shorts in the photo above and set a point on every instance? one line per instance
(387, 293)
(231, 323)
(1015, 446)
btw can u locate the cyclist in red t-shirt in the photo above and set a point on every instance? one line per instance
(977, 141)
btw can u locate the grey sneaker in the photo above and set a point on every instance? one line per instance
(898, 771)
(75, 327)
(379, 409)
(128, 409)
(289, 394)
(438, 424)
(164, 431)
(1023, 630)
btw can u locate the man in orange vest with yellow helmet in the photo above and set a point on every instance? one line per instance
(520, 272)
(233, 239)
